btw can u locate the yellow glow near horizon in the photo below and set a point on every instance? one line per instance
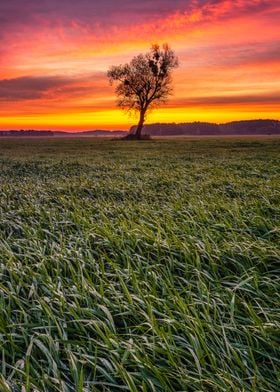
(116, 119)
(67, 121)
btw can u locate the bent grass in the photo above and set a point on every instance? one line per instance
(149, 266)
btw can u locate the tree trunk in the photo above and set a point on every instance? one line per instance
(140, 125)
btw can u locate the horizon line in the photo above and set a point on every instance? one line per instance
(123, 130)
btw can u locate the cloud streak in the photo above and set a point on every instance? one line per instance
(50, 87)
(29, 87)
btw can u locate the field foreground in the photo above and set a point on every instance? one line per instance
(139, 266)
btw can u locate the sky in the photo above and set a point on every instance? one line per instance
(54, 55)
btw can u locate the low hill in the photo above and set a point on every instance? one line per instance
(95, 133)
(250, 127)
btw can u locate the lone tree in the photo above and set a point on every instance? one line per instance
(145, 82)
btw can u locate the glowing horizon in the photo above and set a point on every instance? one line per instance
(54, 58)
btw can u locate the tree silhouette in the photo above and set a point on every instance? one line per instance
(145, 82)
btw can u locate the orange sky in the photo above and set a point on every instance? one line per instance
(54, 57)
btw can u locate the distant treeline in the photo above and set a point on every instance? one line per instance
(26, 133)
(35, 133)
(250, 127)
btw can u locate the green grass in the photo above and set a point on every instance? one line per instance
(139, 266)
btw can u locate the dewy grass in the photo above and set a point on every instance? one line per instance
(150, 266)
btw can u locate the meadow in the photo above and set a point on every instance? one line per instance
(140, 266)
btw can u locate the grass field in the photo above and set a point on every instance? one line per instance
(140, 266)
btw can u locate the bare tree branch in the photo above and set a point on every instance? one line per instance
(145, 82)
